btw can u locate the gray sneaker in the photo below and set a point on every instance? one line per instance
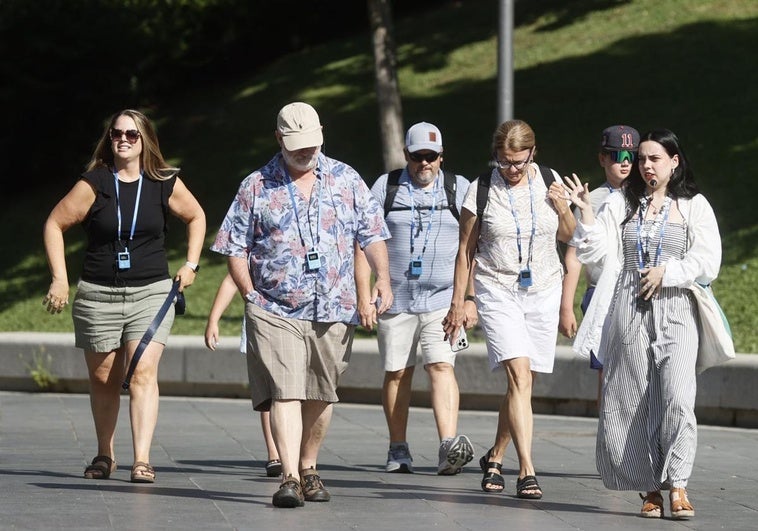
(454, 453)
(399, 459)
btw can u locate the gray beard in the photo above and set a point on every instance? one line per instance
(293, 163)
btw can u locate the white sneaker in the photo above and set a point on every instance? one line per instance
(399, 459)
(453, 454)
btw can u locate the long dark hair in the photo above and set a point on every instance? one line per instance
(681, 184)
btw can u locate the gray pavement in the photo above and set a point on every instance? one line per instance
(209, 453)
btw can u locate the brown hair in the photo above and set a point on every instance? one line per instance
(513, 135)
(151, 159)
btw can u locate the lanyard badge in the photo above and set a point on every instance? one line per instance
(123, 258)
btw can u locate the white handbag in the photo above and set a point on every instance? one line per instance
(716, 344)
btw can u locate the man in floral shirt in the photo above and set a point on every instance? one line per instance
(290, 235)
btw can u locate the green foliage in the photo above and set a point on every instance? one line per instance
(40, 370)
(581, 65)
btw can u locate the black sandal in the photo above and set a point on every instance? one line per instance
(494, 479)
(274, 468)
(528, 483)
(101, 468)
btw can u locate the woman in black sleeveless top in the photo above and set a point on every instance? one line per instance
(122, 202)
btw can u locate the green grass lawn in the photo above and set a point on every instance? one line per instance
(582, 65)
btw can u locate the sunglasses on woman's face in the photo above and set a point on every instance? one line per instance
(132, 135)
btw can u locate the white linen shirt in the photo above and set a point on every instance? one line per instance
(600, 244)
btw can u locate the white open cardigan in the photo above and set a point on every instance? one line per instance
(600, 244)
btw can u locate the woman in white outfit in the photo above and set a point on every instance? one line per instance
(653, 241)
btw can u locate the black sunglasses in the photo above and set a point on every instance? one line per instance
(426, 157)
(132, 135)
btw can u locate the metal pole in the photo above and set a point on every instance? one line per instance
(505, 62)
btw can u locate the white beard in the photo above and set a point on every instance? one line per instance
(301, 163)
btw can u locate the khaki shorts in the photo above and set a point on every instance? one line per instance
(292, 359)
(399, 336)
(106, 317)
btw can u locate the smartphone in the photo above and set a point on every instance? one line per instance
(462, 341)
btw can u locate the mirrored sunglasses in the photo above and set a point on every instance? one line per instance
(132, 135)
(621, 156)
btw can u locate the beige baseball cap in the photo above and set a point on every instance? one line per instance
(299, 126)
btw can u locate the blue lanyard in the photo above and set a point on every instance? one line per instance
(518, 225)
(431, 215)
(291, 188)
(642, 252)
(118, 207)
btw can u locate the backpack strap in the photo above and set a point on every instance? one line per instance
(549, 178)
(393, 184)
(547, 175)
(482, 193)
(451, 185)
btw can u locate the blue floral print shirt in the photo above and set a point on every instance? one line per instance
(263, 227)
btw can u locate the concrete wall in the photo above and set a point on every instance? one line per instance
(727, 395)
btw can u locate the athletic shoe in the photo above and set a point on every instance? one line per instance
(453, 454)
(399, 459)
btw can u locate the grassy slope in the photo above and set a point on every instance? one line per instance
(582, 65)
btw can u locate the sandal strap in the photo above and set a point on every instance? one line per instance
(493, 464)
(102, 459)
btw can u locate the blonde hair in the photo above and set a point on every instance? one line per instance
(513, 135)
(151, 159)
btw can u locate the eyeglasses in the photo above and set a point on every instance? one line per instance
(518, 164)
(132, 135)
(507, 164)
(426, 157)
(621, 156)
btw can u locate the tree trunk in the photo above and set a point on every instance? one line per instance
(387, 90)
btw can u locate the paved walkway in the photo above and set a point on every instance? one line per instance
(209, 453)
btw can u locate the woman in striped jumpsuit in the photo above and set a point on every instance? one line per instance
(653, 241)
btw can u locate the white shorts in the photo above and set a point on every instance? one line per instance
(400, 334)
(519, 324)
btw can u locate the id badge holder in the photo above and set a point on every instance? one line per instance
(525, 278)
(312, 261)
(415, 268)
(123, 260)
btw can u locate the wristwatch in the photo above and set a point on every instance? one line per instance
(193, 266)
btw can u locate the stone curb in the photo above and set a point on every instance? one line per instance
(727, 395)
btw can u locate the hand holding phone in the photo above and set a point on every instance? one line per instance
(461, 342)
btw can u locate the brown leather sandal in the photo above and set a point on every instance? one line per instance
(101, 468)
(680, 505)
(652, 505)
(142, 473)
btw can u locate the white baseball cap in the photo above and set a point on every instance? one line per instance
(423, 135)
(299, 126)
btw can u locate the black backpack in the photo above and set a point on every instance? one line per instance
(393, 184)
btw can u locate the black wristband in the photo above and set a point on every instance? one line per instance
(469, 298)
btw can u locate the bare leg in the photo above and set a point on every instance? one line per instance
(287, 430)
(519, 411)
(106, 372)
(396, 399)
(445, 397)
(317, 416)
(144, 399)
(266, 427)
